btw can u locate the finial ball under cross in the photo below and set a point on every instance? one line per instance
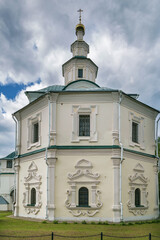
(80, 10)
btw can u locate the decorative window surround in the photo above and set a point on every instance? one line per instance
(32, 181)
(141, 125)
(84, 110)
(31, 121)
(137, 180)
(83, 170)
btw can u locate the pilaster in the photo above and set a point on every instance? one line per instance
(155, 168)
(51, 162)
(115, 128)
(52, 118)
(116, 188)
(16, 206)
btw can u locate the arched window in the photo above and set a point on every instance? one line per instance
(83, 197)
(33, 196)
(137, 197)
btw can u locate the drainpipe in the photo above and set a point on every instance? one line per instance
(157, 137)
(157, 158)
(46, 154)
(121, 145)
(14, 159)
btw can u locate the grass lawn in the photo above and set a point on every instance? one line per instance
(16, 227)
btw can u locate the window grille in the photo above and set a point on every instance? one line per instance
(84, 125)
(80, 73)
(83, 197)
(137, 197)
(9, 163)
(35, 132)
(134, 132)
(33, 196)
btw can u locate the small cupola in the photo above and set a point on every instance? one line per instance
(79, 66)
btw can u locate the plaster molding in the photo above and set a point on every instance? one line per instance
(83, 164)
(95, 203)
(89, 213)
(79, 173)
(32, 181)
(155, 168)
(139, 168)
(51, 162)
(138, 180)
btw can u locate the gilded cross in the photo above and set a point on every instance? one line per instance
(80, 10)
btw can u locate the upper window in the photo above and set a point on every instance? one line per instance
(84, 125)
(80, 73)
(137, 197)
(35, 132)
(9, 163)
(33, 196)
(83, 197)
(135, 132)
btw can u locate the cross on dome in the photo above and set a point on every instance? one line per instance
(80, 11)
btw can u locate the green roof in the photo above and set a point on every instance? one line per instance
(9, 157)
(34, 95)
(3, 201)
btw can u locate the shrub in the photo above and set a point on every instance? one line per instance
(44, 222)
(55, 222)
(100, 223)
(105, 223)
(65, 222)
(84, 222)
(93, 223)
(130, 223)
(75, 223)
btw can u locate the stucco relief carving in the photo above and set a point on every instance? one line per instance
(32, 181)
(138, 180)
(80, 178)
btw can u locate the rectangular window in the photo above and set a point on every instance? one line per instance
(84, 125)
(9, 163)
(135, 132)
(80, 73)
(35, 132)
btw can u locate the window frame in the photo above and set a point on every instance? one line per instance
(35, 119)
(9, 164)
(91, 110)
(33, 196)
(83, 197)
(135, 132)
(141, 130)
(85, 130)
(35, 132)
(80, 72)
(137, 197)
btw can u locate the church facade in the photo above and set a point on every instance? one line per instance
(85, 152)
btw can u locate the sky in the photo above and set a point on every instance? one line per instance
(35, 39)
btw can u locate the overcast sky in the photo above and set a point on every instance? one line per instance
(35, 39)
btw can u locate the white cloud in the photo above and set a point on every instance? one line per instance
(7, 125)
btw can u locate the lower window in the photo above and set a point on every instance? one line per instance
(33, 196)
(137, 197)
(83, 197)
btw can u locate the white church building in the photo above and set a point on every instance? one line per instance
(7, 183)
(85, 152)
